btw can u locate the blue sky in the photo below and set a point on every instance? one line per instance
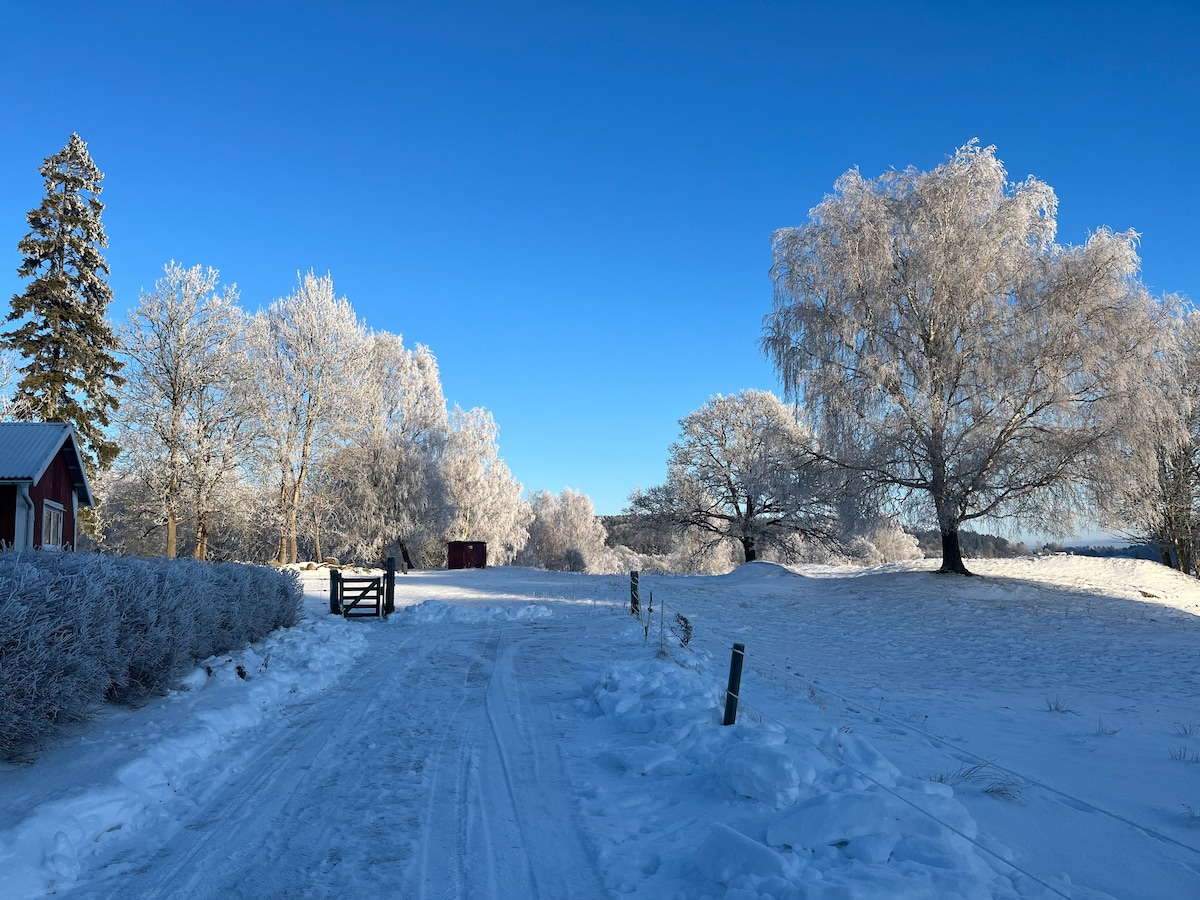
(571, 204)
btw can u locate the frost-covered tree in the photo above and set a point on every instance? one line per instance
(245, 520)
(742, 470)
(130, 521)
(185, 409)
(384, 490)
(484, 496)
(11, 408)
(566, 535)
(70, 373)
(1176, 528)
(224, 430)
(1169, 514)
(945, 346)
(308, 350)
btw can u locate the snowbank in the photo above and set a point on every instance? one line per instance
(787, 817)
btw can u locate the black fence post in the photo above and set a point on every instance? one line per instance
(389, 603)
(635, 606)
(735, 683)
(335, 600)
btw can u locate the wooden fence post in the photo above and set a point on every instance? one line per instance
(635, 606)
(335, 600)
(389, 603)
(735, 683)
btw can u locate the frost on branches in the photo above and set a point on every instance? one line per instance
(742, 471)
(945, 346)
(305, 346)
(383, 491)
(566, 535)
(484, 495)
(294, 430)
(186, 405)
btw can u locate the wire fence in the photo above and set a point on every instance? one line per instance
(756, 665)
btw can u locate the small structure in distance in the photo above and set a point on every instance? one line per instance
(466, 555)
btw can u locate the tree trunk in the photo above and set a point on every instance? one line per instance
(1185, 553)
(1164, 552)
(949, 515)
(952, 561)
(201, 551)
(172, 532)
(281, 554)
(292, 518)
(749, 548)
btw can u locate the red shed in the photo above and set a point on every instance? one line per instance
(42, 485)
(466, 555)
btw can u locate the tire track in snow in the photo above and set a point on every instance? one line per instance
(443, 859)
(229, 832)
(504, 825)
(431, 770)
(522, 725)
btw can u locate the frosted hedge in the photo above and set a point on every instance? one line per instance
(78, 629)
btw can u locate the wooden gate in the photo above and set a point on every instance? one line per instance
(366, 595)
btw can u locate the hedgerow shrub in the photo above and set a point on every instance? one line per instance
(77, 629)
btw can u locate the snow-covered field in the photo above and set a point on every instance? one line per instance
(509, 733)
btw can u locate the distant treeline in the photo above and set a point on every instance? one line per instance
(1129, 551)
(991, 546)
(974, 545)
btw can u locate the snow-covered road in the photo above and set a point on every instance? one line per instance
(427, 772)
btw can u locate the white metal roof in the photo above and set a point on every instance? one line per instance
(28, 448)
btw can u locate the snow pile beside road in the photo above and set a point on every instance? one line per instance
(686, 807)
(97, 808)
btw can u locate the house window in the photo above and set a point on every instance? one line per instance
(52, 525)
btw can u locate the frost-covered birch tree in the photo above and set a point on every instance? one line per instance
(385, 489)
(484, 496)
(742, 470)
(309, 351)
(945, 345)
(1169, 513)
(565, 534)
(223, 427)
(184, 409)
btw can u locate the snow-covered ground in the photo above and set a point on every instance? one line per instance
(508, 733)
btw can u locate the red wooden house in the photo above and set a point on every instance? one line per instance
(42, 485)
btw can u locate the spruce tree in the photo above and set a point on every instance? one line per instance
(70, 372)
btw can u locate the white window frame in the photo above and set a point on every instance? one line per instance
(53, 515)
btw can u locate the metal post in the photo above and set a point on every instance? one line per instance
(635, 606)
(389, 603)
(735, 683)
(335, 600)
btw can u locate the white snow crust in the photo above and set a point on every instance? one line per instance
(1033, 732)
